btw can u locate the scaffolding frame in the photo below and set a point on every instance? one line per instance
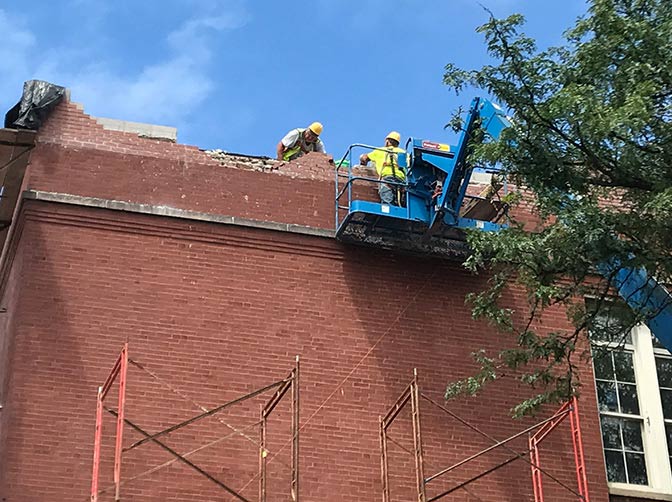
(569, 409)
(119, 372)
(412, 395)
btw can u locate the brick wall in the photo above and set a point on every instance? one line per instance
(216, 311)
(76, 155)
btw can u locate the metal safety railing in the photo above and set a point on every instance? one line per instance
(344, 182)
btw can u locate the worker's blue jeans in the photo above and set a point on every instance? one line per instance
(390, 194)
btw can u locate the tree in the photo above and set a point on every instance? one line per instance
(591, 142)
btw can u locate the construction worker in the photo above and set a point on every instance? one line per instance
(388, 169)
(299, 141)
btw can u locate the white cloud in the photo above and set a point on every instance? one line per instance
(191, 40)
(161, 92)
(198, 28)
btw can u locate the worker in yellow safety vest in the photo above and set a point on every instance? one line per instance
(299, 141)
(387, 167)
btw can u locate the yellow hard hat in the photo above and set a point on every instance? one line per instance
(316, 128)
(395, 136)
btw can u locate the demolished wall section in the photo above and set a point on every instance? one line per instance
(75, 155)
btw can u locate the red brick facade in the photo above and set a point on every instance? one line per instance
(217, 310)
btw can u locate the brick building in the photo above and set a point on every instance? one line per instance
(219, 269)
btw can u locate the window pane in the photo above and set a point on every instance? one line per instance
(615, 466)
(624, 369)
(624, 450)
(611, 333)
(628, 396)
(611, 322)
(666, 397)
(664, 369)
(636, 469)
(632, 436)
(611, 433)
(606, 396)
(604, 368)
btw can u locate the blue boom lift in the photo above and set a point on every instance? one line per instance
(437, 208)
(437, 205)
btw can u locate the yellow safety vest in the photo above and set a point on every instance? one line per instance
(290, 152)
(387, 162)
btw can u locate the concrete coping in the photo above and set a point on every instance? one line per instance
(151, 131)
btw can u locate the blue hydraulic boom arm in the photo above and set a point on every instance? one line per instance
(644, 295)
(434, 212)
(492, 120)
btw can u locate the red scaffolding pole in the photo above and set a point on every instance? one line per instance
(282, 387)
(119, 369)
(413, 395)
(571, 409)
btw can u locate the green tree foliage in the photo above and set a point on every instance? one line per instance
(592, 142)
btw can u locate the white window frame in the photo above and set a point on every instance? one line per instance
(651, 410)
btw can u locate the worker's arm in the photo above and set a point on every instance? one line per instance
(377, 157)
(289, 141)
(280, 150)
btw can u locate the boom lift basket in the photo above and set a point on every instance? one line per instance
(437, 207)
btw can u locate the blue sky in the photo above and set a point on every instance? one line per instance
(238, 74)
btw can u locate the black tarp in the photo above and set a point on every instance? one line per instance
(37, 101)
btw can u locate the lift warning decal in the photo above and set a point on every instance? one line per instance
(436, 146)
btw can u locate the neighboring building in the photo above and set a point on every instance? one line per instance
(218, 269)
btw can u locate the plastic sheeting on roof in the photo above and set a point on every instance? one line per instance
(38, 99)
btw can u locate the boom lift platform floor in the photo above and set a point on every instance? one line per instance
(398, 234)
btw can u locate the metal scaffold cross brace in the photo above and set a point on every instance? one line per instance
(119, 373)
(413, 395)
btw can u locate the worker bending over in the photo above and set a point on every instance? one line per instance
(299, 141)
(388, 169)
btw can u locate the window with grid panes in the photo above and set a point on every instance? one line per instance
(664, 374)
(633, 380)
